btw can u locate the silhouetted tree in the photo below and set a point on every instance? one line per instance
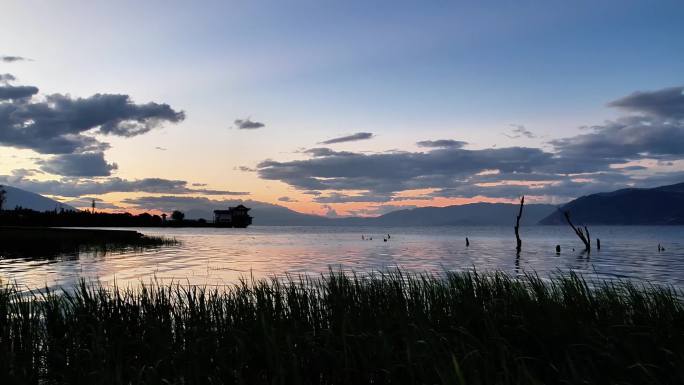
(3, 196)
(177, 216)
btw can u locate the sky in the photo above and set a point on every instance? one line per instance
(339, 108)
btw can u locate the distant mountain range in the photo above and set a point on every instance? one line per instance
(656, 206)
(274, 215)
(474, 214)
(471, 214)
(632, 206)
(28, 200)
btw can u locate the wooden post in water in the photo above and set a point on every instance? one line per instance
(518, 245)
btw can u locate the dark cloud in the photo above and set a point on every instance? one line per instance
(160, 148)
(622, 140)
(442, 143)
(335, 197)
(636, 168)
(247, 124)
(323, 151)
(246, 169)
(452, 172)
(12, 59)
(665, 103)
(8, 92)
(287, 199)
(518, 130)
(349, 138)
(81, 165)
(74, 187)
(60, 124)
(411, 198)
(24, 172)
(391, 172)
(563, 190)
(6, 78)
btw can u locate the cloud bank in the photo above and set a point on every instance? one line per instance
(442, 143)
(652, 129)
(82, 165)
(76, 187)
(61, 124)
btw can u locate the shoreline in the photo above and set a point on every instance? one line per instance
(14, 234)
(47, 242)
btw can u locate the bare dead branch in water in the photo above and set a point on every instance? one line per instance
(518, 246)
(584, 236)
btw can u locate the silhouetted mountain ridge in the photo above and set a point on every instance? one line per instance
(21, 198)
(662, 205)
(474, 214)
(484, 214)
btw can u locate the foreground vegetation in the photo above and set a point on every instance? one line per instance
(460, 328)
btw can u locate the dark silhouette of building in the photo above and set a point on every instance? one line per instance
(237, 216)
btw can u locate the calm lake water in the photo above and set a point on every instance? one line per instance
(222, 256)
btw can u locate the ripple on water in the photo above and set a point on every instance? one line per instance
(221, 256)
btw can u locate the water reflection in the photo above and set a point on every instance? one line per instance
(222, 256)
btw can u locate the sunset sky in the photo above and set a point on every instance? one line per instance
(339, 108)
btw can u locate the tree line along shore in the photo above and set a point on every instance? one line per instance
(84, 218)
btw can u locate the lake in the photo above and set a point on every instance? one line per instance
(212, 256)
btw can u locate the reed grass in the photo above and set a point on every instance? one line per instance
(341, 328)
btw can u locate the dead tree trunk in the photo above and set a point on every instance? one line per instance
(518, 246)
(584, 236)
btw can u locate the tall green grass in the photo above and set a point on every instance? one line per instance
(457, 328)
